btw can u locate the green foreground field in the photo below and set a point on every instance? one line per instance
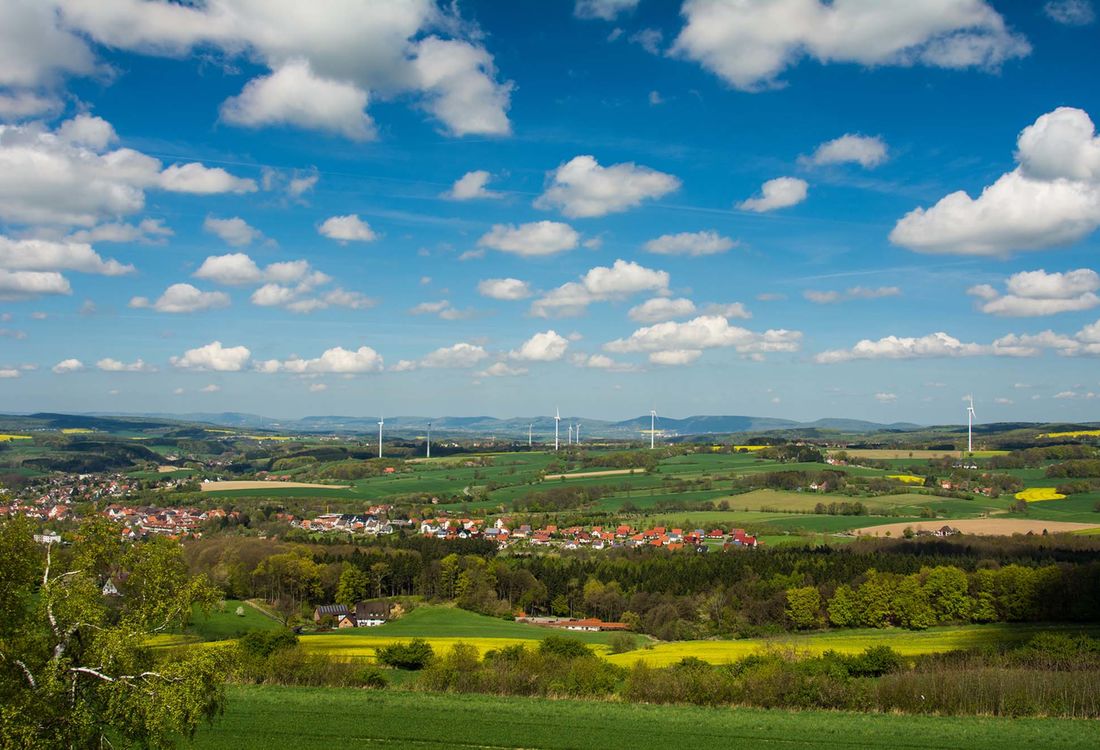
(323, 718)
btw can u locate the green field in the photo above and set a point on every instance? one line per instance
(324, 718)
(442, 627)
(222, 622)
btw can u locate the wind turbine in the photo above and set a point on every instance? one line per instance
(652, 428)
(970, 417)
(529, 426)
(578, 433)
(381, 421)
(557, 421)
(429, 440)
(569, 440)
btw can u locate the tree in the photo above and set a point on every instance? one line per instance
(352, 587)
(804, 607)
(74, 670)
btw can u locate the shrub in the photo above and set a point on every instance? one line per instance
(568, 648)
(263, 643)
(416, 654)
(623, 642)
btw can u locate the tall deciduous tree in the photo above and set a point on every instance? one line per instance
(75, 670)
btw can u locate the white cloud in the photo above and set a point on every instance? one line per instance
(778, 193)
(113, 365)
(547, 346)
(606, 10)
(148, 231)
(327, 61)
(294, 95)
(35, 50)
(44, 255)
(681, 343)
(214, 357)
(867, 151)
(1070, 12)
(690, 243)
(347, 229)
(336, 360)
(1052, 198)
(68, 365)
(504, 289)
(621, 279)
(501, 370)
(675, 357)
(534, 239)
(183, 298)
(728, 310)
(1034, 293)
(202, 180)
(648, 39)
(470, 186)
(317, 387)
(601, 362)
(16, 285)
(443, 309)
(69, 177)
(21, 105)
(660, 309)
(9, 373)
(749, 44)
(852, 293)
(237, 269)
(211, 388)
(886, 398)
(461, 355)
(234, 231)
(458, 81)
(895, 347)
(581, 188)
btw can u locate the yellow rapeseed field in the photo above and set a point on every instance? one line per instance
(1038, 494)
(1074, 434)
(907, 478)
(75, 431)
(6, 438)
(344, 646)
(750, 447)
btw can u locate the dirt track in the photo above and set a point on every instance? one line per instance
(239, 484)
(979, 526)
(583, 475)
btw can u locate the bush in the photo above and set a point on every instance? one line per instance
(263, 643)
(568, 648)
(621, 643)
(416, 654)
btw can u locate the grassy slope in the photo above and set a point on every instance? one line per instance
(224, 623)
(321, 719)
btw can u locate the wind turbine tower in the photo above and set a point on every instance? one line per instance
(970, 417)
(429, 441)
(529, 426)
(652, 428)
(381, 421)
(569, 440)
(557, 421)
(578, 433)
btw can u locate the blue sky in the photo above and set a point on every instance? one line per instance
(496, 208)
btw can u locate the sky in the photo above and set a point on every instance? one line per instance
(786, 208)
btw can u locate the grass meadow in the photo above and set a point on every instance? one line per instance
(260, 718)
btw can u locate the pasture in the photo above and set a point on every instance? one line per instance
(237, 484)
(259, 718)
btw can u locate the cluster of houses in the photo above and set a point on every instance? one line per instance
(362, 615)
(578, 537)
(52, 498)
(587, 624)
(374, 522)
(146, 520)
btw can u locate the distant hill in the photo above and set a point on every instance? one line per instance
(542, 427)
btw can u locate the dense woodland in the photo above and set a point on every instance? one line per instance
(906, 583)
